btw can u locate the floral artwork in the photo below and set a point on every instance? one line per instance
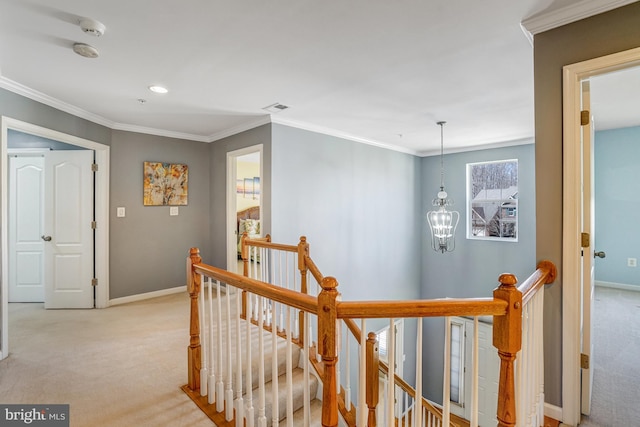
(165, 184)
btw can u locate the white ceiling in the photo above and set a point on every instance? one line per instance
(375, 71)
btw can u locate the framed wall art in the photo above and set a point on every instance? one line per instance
(165, 184)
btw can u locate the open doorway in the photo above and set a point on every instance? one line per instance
(101, 195)
(614, 328)
(574, 245)
(244, 200)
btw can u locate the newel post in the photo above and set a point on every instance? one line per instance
(194, 362)
(303, 252)
(328, 340)
(507, 338)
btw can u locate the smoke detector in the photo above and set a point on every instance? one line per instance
(92, 27)
(85, 50)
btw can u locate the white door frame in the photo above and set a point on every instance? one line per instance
(571, 223)
(232, 156)
(102, 153)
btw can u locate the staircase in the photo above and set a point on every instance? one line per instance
(258, 335)
(215, 370)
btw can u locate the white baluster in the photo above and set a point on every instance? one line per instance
(211, 382)
(306, 419)
(391, 357)
(262, 419)
(347, 363)
(239, 403)
(362, 376)
(474, 375)
(289, 370)
(418, 402)
(446, 388)
(250, 412)
(229, 347)
(220, 382)
(275, 410)
(204, 370)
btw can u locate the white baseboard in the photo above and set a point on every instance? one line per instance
(553, 411)
(148, 295)
(618, 286)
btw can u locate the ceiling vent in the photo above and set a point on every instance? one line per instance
(275, 108)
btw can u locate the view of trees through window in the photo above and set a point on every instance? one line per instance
(492, 194)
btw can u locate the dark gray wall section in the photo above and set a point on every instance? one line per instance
(472, 270)
(20, 108)
(218, 207)
(149, 247)
(600, 35)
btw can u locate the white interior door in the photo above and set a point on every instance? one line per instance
(588, 226)
(26, 248)
(68, 232)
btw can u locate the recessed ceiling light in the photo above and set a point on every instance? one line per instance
(158, 89)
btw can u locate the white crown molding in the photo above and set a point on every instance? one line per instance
(159, 132)
(266, 119)
(504, 144)
(554, 18)
(27, 92)
(340, 134)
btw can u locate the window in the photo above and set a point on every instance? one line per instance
(456, 388)
(492, 200)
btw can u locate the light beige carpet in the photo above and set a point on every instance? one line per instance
(120, 366)
(616, 331)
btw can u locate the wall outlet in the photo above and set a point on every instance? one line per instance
(173, 211)
(632, 262)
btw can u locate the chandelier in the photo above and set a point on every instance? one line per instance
(442, 222)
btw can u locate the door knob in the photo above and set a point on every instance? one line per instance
(46, 238)
(599, 254)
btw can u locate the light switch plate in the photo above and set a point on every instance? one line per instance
(173, 211)
(120, 212)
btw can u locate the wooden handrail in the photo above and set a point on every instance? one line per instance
(313, 269)
(545, 274)
(265, 242)
(285, 296)
(421, 308)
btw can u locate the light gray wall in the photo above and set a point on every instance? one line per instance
(617, 200)
(148, 247)
(357, 204)
(218, 206)
(590, 38)
(472, 270)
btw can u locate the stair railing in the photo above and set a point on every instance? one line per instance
(507, 307)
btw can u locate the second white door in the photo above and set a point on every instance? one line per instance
(68, 232)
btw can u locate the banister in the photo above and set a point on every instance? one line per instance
(421, 308)
(505, 307)
(313, 269)
(545, 274)
(278, 294)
